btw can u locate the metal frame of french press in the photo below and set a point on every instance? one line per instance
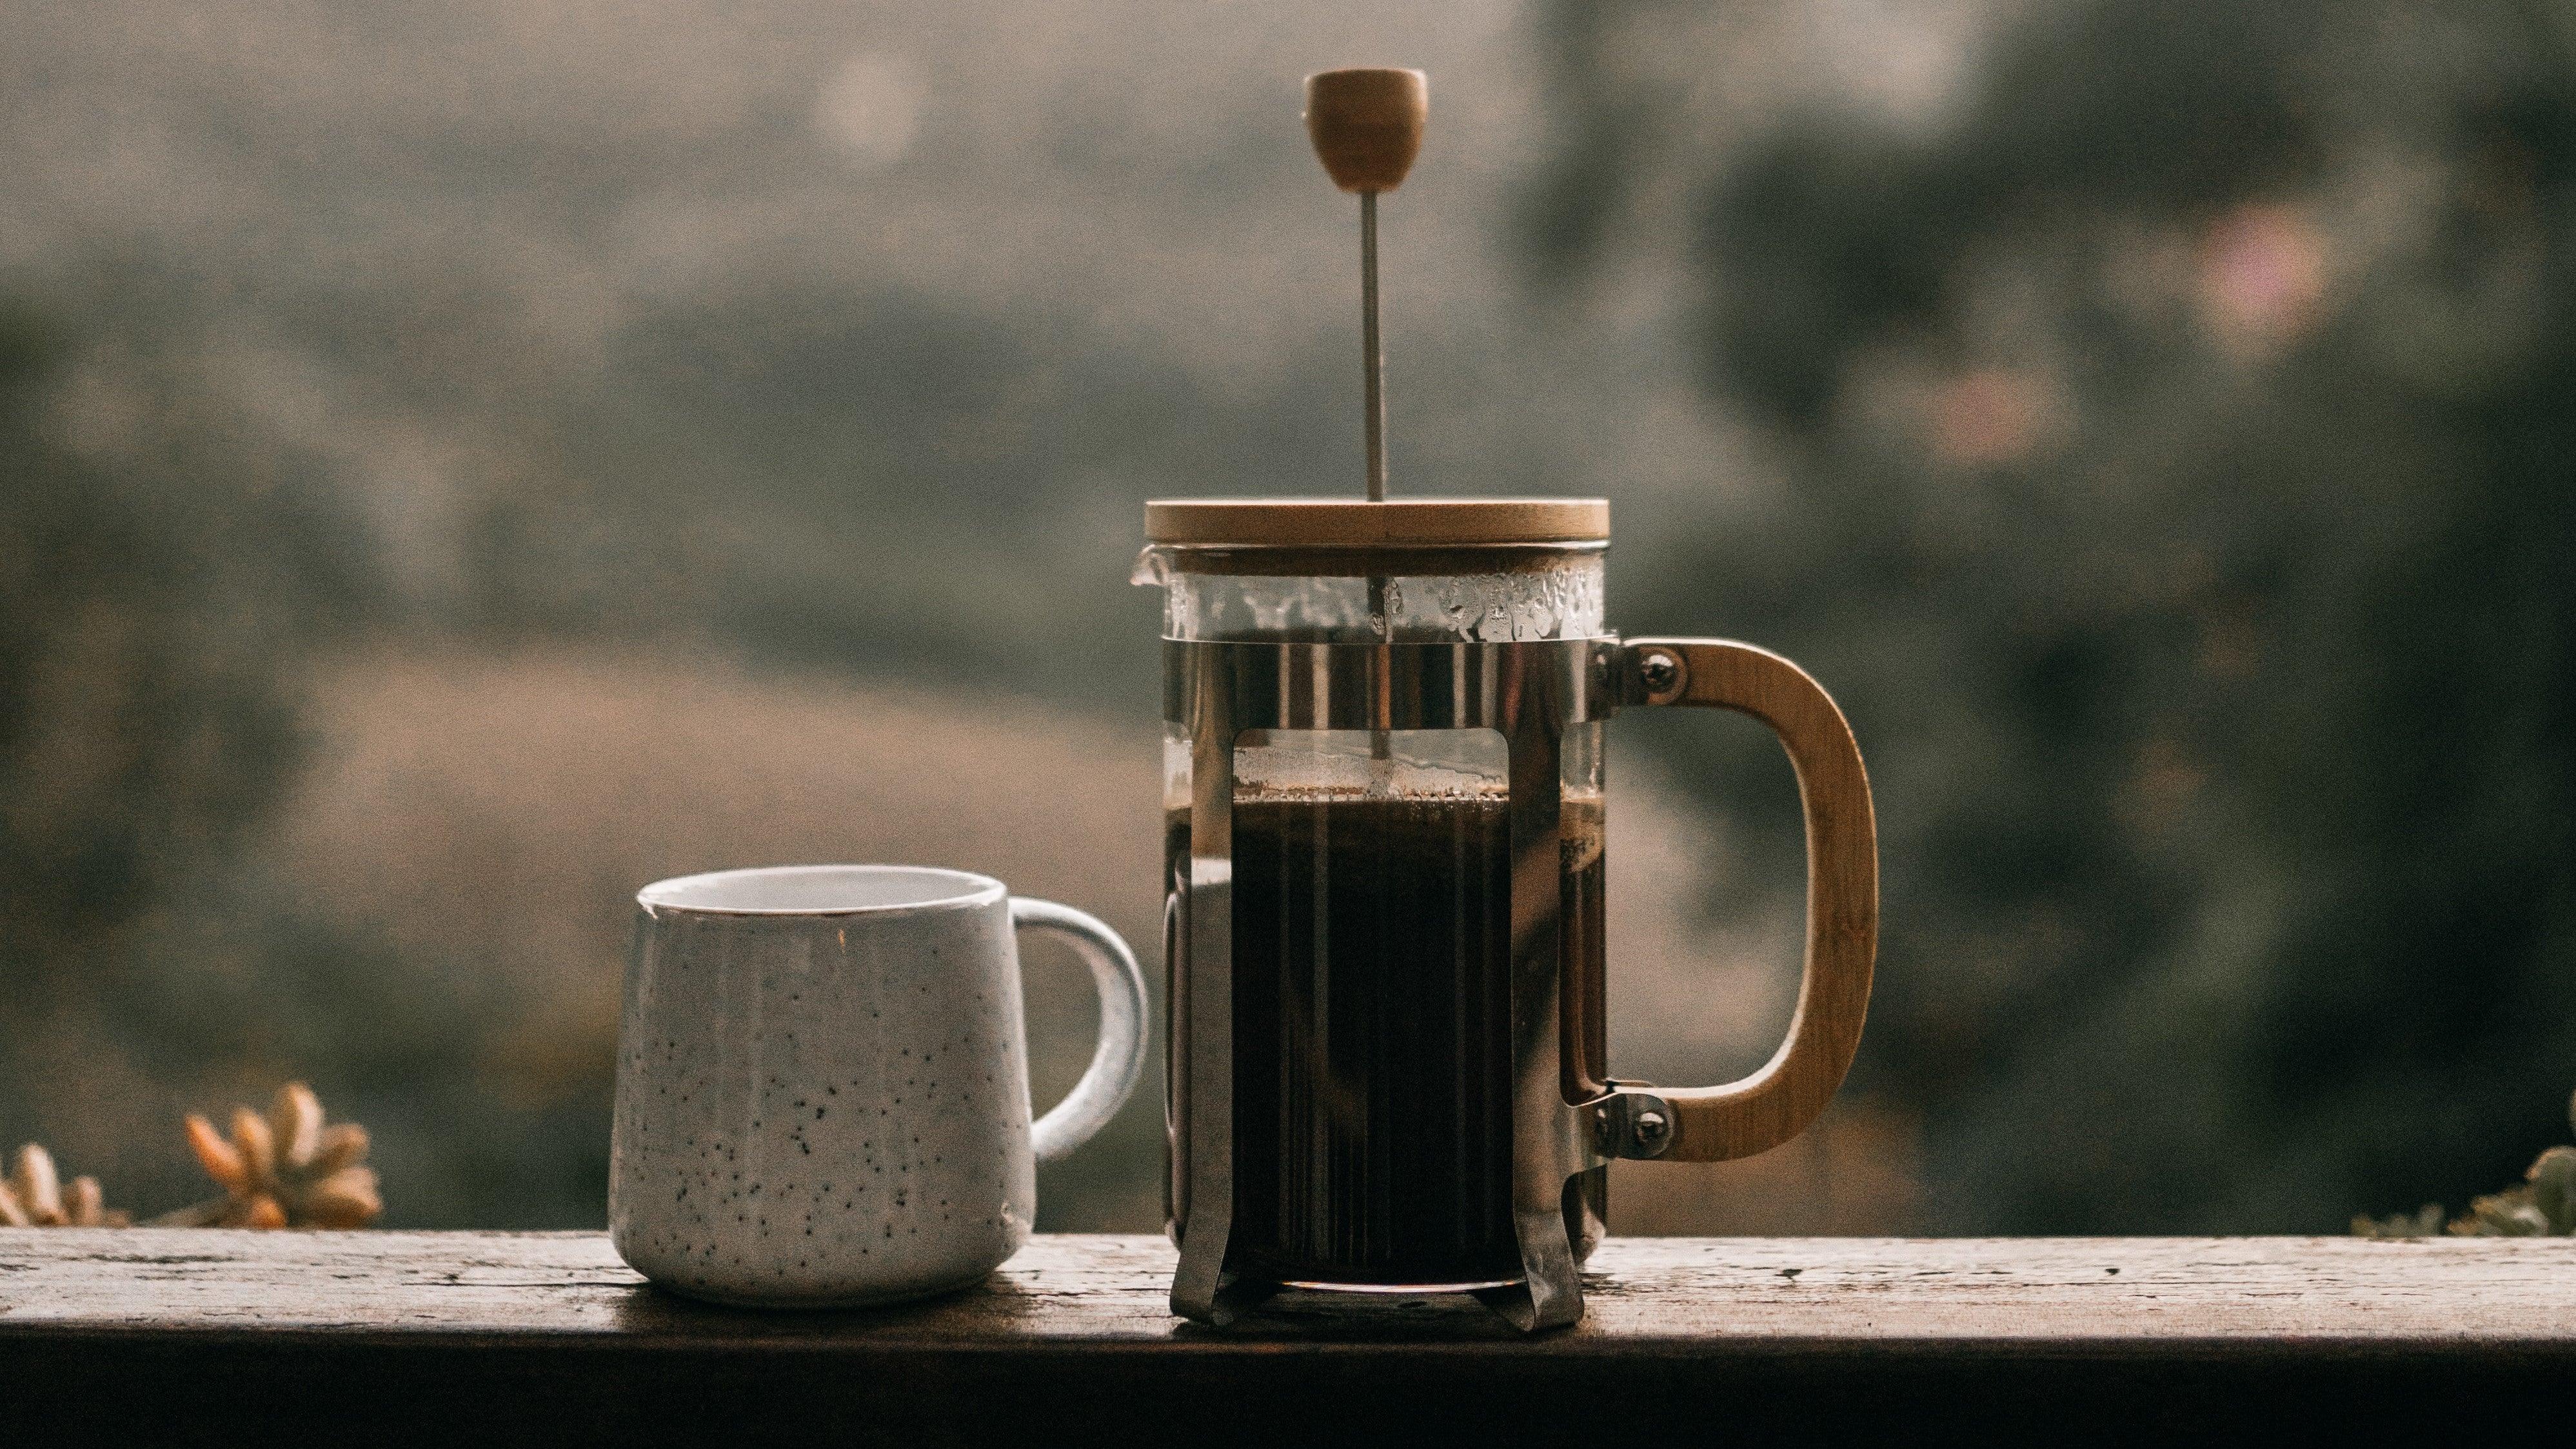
(1528, 692)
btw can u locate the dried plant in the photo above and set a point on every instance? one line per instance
(286, 1169)
(35, 1196)
(2543, 1204)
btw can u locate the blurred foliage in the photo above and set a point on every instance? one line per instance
(2178, 451)
(168, 572)
(2157, 440)
(143, 618)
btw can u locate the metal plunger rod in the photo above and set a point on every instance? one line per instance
(1373, 365)
(1367, 128)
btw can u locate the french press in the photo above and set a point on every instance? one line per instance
(1384, 755)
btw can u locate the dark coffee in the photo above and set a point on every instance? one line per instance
(1372, 1043)
(1372, 1068)
(1372, 1046)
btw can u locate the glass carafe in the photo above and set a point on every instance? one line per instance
(1384, 751)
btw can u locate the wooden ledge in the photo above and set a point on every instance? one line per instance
(152, 1332)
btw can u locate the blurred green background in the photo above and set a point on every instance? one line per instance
(461, 461)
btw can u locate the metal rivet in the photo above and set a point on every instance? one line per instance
(1659, 671)
(1651, 1128)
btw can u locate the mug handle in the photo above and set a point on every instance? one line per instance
(1120, 1058)
(1774, 1104)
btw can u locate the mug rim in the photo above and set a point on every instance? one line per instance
(966, 890)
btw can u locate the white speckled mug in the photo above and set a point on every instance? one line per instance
(822, 1082)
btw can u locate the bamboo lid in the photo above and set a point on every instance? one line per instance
(1396, 523)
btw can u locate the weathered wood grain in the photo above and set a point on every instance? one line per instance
(162, 1333)
(2107, 1293)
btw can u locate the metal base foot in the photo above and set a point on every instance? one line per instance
(1207, 1289)
(1551, 1296)
(1233, 1296)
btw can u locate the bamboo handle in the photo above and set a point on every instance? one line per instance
(1711, 1124)
(1367, 124)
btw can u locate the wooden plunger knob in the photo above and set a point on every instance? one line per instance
(1367, 124)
